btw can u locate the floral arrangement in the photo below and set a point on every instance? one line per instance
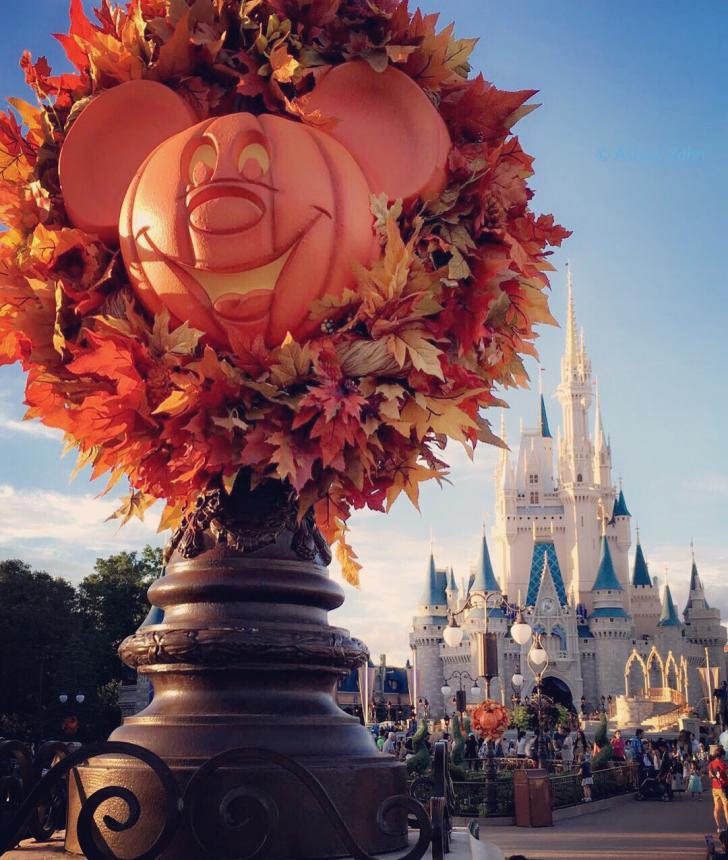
(491, 719)
(351, 417)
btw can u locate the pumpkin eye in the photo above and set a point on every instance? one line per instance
(202, 163)
(253, 161)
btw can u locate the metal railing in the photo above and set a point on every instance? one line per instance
(566, 788)
(469, 797)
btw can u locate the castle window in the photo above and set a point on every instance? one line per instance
(533, 479)
(579, 478)
(533, 498)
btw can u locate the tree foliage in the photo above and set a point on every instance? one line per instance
(56, 639)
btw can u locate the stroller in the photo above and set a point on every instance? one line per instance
(651, 787)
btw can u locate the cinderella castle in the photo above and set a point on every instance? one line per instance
(561, 544)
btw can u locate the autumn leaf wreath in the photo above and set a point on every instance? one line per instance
(399, 364)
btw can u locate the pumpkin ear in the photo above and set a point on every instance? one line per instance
(389, 125)
(106, 146)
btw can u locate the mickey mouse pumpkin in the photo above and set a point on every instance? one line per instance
(238, 223)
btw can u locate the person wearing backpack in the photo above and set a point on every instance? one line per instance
(719, 782)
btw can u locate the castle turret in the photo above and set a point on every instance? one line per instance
(645, 603)
(702, 623)
(610, 624)
(426, 636)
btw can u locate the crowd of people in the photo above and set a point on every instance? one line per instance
(683, 764)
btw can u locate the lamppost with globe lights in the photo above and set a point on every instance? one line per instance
(521, 633)
(538, 661)
(460, 700)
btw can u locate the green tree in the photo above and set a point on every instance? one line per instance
(112, 603)
(39, 641)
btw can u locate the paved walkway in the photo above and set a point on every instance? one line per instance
(646, 830)
(630, 831)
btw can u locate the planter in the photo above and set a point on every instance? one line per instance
(245, 657)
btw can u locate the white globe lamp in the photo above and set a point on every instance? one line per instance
(453, 635)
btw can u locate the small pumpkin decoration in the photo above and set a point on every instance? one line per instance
(237, 224)
(491, 719)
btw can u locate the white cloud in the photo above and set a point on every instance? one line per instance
(31, 428)
(64, 533)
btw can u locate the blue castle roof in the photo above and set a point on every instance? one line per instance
(484, 577)
(620, 507)
(543, 424)
(640, 574)
(435, 586)
(668, 613)
(606, 577)
(548, 550)
(609, 612)
(451, 584)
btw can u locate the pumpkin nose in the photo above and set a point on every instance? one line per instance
(221, 210)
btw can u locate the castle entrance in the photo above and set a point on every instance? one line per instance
(558, 691)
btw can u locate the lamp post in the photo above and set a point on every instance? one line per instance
(460, 700)
(487, 659)
(538, 661)
(517, 685)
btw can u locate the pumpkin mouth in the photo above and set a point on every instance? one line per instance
(241, 296)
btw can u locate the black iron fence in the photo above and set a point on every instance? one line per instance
(33, 802)
(469, 797)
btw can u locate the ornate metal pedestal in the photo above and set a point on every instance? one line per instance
(245, 657)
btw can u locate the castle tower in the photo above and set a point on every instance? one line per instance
(426, 636)
(579, 492)
(645, 596)
(611, 626)
(621, 539)
(702, 622)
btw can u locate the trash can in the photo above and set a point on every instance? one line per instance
(532, 798)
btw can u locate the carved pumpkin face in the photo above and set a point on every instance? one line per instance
(265, 216)
(239, 223)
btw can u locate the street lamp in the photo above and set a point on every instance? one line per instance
(517, 685)
(460, 700)
(538, 660)
(487, 659)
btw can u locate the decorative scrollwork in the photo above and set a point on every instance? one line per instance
(249, 815)
(221, 646)
(259, 839)
(248, 520)
(88, 836)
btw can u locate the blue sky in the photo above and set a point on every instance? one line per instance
(630, 146)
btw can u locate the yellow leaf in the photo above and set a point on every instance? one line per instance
(133, 505)
(171, 517)
(175, 404)
(423, 354)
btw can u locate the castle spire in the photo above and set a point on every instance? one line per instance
(668, 613)
(640, 573)
(484, 576)
(433, 593)
(571, 355)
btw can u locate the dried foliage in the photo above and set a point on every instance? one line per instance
(406, 361)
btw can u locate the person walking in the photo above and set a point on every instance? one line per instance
(695, 783)
(471, 752)
(389, 747)
(718, 784)
(618, 747)
(521, 744)
(567, 751)
(587, 780)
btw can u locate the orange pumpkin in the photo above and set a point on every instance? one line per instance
(239, 223)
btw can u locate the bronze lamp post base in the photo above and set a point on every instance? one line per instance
(245, 658)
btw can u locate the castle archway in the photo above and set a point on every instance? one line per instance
(672, 678)
(558, 690)
(636, 676)
(655, 670)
